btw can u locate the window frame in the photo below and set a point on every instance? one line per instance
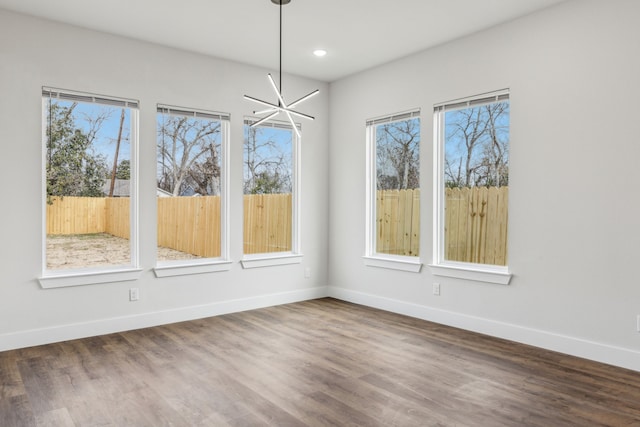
(294, 256)
(223, 262)
(372, 258)
(101, 274)
(440, 266)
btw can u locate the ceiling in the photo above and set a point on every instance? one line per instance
(358, 34)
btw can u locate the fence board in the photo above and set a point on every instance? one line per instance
(492, 226)
(453, 249)
(415, 224)
(501, 222)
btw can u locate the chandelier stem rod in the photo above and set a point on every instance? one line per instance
(280, 71)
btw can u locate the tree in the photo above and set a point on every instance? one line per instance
(477, 146)
(188, 155)
(267, 183)
(267, 165)
(204, 176)
(397, 155)
(73, 169)
(124, 170)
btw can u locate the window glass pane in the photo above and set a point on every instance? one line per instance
(88, 184)
(189, 174)
(476, 181)
(398, 188)
(268, 185)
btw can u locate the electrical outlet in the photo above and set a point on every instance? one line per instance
(307, 273)
(436, 288)
(134, 294)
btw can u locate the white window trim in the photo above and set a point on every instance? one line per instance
(441, 267)
(393, 262)
(223, 262)
(371, 257)
(91, 276)
(94, 275)
(198, 266)
(475, 272)
(294, 256)
(270, 259)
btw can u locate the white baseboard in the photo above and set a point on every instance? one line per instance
(603, 353)
(53, 334)
(617, 356)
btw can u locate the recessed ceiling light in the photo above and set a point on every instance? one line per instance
(320, 52)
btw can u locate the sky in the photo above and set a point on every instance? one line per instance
(105, 142)
(281, 139)
(454, 144)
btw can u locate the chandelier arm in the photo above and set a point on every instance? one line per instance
(264, 119)
(293, 124)
(259, 101)
(275, 89)
(267, 111)
(304, 98)
(297, 113)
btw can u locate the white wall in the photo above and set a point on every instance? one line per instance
(574, 72)
(34, 53)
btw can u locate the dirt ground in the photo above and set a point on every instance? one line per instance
(93, 250)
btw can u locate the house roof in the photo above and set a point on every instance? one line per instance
(121, 188)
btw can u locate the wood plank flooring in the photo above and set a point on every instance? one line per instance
(316, 363)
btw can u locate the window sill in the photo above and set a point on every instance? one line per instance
(81, 278)
(479, 273)
(269, 260)
(410, 264)
(180, 268)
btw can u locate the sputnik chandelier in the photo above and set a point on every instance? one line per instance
(273, 110)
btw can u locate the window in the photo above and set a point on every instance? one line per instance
(393, 192)
(89, 182)
(270, 169)
(472, 175)
(191, 185)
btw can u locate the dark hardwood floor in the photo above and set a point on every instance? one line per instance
(315, 363)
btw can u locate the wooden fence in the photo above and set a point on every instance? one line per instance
(267, 223)
(186, 224)
(475, 222)
(190, 225)
(88, 215)
(476, 225)
(117, 217)
(398, 222)
(76, 215)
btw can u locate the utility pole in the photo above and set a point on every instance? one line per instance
(115, 157)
